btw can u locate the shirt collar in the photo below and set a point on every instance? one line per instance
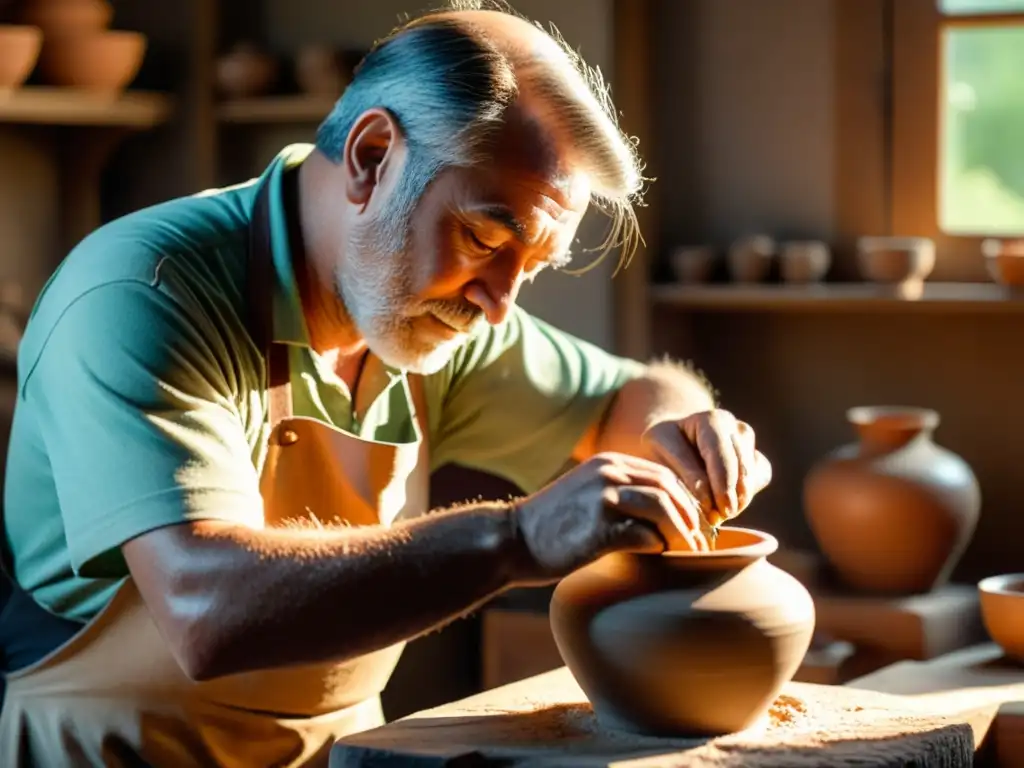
(289, 324)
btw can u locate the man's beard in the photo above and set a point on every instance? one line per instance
(375, 290)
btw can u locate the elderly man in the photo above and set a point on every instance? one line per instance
(229, 405)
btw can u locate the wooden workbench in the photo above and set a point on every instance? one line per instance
(546, 721)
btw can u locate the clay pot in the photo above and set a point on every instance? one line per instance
(1002, 610)
(896, 260)
(684, 643)
(63, 17)
(19, 50)
(750, 258)
(105, 61)
(320, 71)
(804, 262)
(893, 512)
(1004, 260)
(246, 71)
(693, 264)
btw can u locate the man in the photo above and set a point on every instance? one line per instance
(228, 405)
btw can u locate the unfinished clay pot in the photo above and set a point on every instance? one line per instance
(750, 258)
(894, 512)
(68, 17)
(896, 260)
(693, 264)
(803, 262)
(246, 71)
(1004, 260)
(684, 643)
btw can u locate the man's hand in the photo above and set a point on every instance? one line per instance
(611, 502)
(715, 457)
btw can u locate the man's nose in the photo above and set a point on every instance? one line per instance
(495, 292)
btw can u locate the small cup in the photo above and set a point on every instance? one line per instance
(750, 258)
(693, 264)
(805, 261)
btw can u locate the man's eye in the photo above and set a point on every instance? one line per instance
(476, 243)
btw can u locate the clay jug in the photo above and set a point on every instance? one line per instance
(893, 512)
(683, 643)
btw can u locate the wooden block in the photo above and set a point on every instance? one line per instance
(970, 671)
(914, 627)
(546, 721)
(516, 645)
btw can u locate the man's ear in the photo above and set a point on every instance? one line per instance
(374, 145)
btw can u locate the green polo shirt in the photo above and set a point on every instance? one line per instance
(141, 396)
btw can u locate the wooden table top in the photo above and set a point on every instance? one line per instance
(547, 721)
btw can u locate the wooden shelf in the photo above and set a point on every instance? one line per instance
(34, 105)
(840, 297)
(276, 109)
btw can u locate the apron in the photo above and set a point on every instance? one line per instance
(113, 695)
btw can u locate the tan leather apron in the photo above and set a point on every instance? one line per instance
(114, 695)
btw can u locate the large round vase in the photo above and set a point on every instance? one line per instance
(892, 512)
(684, 643)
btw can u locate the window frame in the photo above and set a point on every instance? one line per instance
(915, 48)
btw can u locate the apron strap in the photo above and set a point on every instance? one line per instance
(260, 265)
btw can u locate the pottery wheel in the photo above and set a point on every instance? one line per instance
(545, 721)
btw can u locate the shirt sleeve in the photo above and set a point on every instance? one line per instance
(138, 417)
(521, 396)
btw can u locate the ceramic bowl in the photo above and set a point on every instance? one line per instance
(895, 259)
(804, 261)
(1004, 260)
(104, 61)
(19, 50)
(1002, 609)
(750, 258)
(693, 264)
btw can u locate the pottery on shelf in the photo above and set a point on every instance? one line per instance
(692, 264)
(892, 512)
(803, 262)
(1004, 260)
(246, 71)
(19, 50)
(750, 258)
(684, 643)
(896, 260)
(105, 61)
(320, 71)
(64, 17)
(1002, 610)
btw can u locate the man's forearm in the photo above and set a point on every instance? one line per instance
(666, 391)
(245, 599)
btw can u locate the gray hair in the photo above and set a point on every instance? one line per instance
(449, 85)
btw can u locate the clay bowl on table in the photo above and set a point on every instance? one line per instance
(684, 643)
(19, 50)
(1002, 609)
(750, 258)
(104, 61)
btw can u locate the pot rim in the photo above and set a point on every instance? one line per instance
(910, 416)
(765, 545)
(1002, 584)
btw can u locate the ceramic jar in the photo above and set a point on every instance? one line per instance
(683, 643)
(892, 512)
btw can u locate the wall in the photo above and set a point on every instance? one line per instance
(769, 120)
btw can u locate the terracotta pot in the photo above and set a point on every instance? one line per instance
(893, 512)
(1004, 260)
(62, 17)
(1002, 609)
(246, 71)
(19, 50)
(750, 259)
(96, 61)
(685, 643)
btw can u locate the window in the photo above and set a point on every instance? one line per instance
(958, 122)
